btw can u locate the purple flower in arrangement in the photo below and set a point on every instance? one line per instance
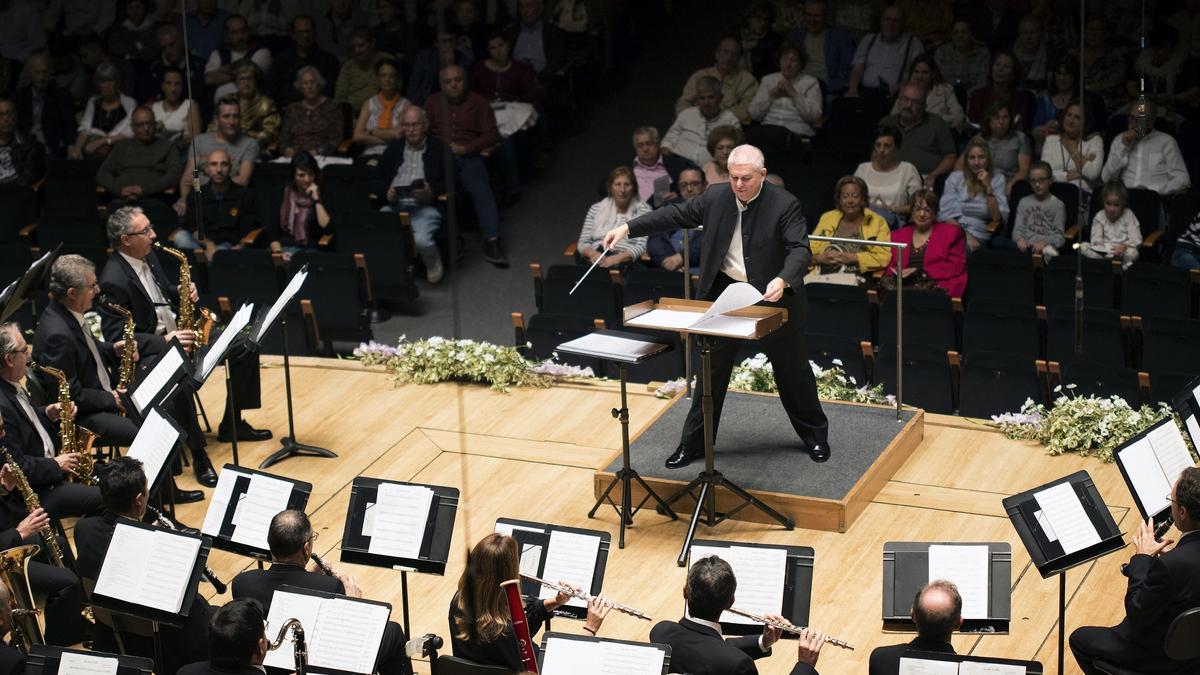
(552, 369)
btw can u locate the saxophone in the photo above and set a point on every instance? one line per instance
(33, 503)
(72, 438)
(196, 319)
(299, 648)
(129, 350)
(14, 570)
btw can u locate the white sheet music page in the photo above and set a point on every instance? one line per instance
(167, 579)
(967, 567)
(665, 318)
(347, 635)
(1069, 521)
(1170, 450)
(219, 502)
(760, 576)
(976, 668)
(737, 295)
(1146, 476)
(570, 557)
(914, 666)
(216, 351)
(129, 552)
(739, 326)
(401, 513)
(564, 656)
(290, 290)
(617, 658)
(284, 606)
(605, 345)
(263, 500)
(72, 663)
(163, 371)
(1193, 428)
(153, 444)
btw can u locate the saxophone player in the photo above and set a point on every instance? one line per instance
(237, 641)
(134, 279)
(31, 436)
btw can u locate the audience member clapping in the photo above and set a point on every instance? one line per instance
(1075, 155)
(314, 123)
(1116, 232)
(379, 120)
(688, 135)
(721, 143)
(788, 102)
(620, 206)
(666, 248)
(890, 181)
(936, 256)
(1002, 86)
(975, 197)
(940, 99)
(963, 61)
(303, 217)
(105, 117)
(1011, 149)
(177, 117)
(734, 87)
(850, 220)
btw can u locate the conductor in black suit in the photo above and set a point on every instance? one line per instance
(237, 641)
(1164, 581)
(753, 232)
(937, 611)
(696, 643)
(290, 538)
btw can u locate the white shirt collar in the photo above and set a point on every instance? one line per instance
(136, 263)
(704, 622)
(78, 317)
(16, 385)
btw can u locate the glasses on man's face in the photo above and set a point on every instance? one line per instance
(138, 233)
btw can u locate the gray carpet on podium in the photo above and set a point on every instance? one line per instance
(757, 448)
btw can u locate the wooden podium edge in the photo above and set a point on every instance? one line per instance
(812, 513)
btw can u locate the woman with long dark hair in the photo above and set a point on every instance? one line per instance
(303, 217)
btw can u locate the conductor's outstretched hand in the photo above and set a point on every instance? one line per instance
(615, 235)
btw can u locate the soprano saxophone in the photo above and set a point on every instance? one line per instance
(129, 349)
(32, 503)
(72, 437)
(299, 648)
(191, 317)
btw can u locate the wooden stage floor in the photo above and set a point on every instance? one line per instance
(531, 454)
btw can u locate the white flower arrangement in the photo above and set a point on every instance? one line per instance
(1089, 425)
(440, 360)
(756, 374)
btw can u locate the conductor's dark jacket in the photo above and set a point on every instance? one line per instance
(774, 240)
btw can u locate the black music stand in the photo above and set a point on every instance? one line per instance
(240, 479)
(1031, 667)
(25, 287)
(45, 660)
(435, 539)
(548, 636)
(157, 480)
(906, 570)
(1048, 555)
(530, 534)
(232, 334)
(797, 585)
(622, 349)
(766, 320)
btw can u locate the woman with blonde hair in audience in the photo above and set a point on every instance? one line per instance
(889, 180)
(721, 142)
(620, 206)
(940, 99)
(1075, 155)
(850, 220)
(314, 123)
(974, 197)
(379, 119)
(936, 256)
(178, 118)
(480, 621)
(1012, 152)
(106, 118)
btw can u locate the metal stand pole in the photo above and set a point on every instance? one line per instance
(290, 447)
(231, 409)
(1062, 619)
(687, 295)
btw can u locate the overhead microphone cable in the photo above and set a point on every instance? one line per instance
(187, 79)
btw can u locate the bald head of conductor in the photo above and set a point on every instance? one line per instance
(937, 610)
(747, 171)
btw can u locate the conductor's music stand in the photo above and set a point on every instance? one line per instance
(749, 323)
(622, 349)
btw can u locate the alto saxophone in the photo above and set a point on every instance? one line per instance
(130, 347)
(72, 437)
(14, 570)
(299, 648)
(191, 317)
(32, 503)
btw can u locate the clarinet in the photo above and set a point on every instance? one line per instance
(166, 523)
(512, 591)
(323, 565)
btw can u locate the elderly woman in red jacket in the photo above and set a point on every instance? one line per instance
(936, 256)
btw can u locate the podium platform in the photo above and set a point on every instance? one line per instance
(758, 449)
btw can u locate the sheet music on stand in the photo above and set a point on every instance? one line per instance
(155, 385)
(22, 288)
(930, 663)
(1151, 463)
(738, 295)
(154, 444)
(243, 504)
(216, 351)
(557, 553)
(982, 571)
(772, 579)
(343, 634)
(564, 654)
(50, 660)
(289, 291)
(150, 573)
(399, 525)
(966, 566)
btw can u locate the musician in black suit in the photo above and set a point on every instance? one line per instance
(696, 643)
(1164, 581)
(12, 661)
(134, 279)
(63, 341)
(753, 232)
(290, 538)
(937, 611)
(237, 641)
(31, 436)
(126, 495)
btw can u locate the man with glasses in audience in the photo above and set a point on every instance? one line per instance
(666, 248)
(140, 170)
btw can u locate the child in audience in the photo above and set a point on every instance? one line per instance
(1041, 218)
(1116, 232)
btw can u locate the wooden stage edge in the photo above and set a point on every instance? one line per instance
(812, 513)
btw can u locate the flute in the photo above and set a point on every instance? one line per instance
(786, 627)
(587, 597)
(323, 565)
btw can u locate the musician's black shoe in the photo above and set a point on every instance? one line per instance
(819, 451)
(682, 457)
(188, 496)
(245, 432)
(205, 474)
